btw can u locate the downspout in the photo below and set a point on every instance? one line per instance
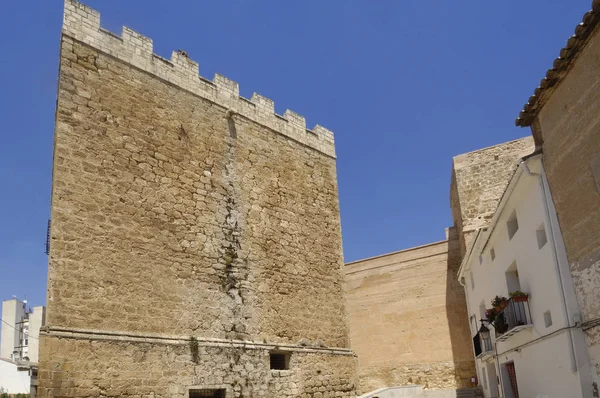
(574, 366)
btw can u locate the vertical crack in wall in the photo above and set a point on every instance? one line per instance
(236, 270)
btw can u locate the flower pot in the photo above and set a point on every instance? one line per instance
(502, 306)
(520, 299)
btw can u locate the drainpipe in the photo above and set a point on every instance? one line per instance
(545, 193)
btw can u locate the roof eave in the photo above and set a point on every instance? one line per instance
(561, 66)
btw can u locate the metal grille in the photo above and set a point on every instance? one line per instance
(207, 393)
(279, 361)
(48, 238)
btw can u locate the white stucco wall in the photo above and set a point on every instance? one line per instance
(543, 356)
(12, 312)
(37, 319)
(12, 380)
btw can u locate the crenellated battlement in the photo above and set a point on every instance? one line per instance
(82, 23)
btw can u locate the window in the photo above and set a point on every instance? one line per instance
(541, 236)
(548, 319)
(493, 254)
(472, 281)
(480, 259)
(279, 360)
(207, 393)
(512, 278)
(482, 310)
(513, 225)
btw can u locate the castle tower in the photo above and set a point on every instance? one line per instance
(195, 237)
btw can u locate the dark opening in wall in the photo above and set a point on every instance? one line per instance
(210, 393)
(279, 360)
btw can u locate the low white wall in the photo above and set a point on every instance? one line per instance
(13, 381)
(395, 392)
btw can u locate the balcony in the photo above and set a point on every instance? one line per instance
(514, 318)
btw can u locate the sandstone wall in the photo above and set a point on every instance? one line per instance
(408, 318)
(569, 123)
(479, 179)
(181, 209)
(118, 367)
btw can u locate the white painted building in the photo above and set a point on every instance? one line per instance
(536, 346)
(14, 379)
(20, 331)
(19, 346)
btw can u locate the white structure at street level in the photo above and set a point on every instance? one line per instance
(19, 346)
(535, 345)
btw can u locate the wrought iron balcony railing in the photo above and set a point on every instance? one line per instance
(515, 317)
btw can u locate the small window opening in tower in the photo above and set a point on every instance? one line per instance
(207, 393)
(279, 360)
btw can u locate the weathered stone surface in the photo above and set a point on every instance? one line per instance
(408, 318)
(479, 179)
(569, 124)
(175, 216)
(93, 368)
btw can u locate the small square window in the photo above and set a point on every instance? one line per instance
(548, 319)
(541, 236)
(207, 393)
(513, 225)
(279, 360)
(493, 254)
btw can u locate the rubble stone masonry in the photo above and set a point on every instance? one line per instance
(181, 210)
(408, 318)
(569, 127)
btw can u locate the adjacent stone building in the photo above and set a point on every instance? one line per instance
(408, 318)
(479, 179)
(407, 310)
(195, 237)
(564, 118)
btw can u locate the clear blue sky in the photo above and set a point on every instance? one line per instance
(404, 84)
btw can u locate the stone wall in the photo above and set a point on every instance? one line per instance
(479, 179)
(180, 209)
(569, 125)
(128, 367)
(408, 318)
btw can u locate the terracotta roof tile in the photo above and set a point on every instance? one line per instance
(561, 65)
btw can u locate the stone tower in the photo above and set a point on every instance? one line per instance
(195, 236)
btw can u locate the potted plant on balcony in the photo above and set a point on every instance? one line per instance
(499, 303)
(500, 324)
(518, 296)
(490, 314)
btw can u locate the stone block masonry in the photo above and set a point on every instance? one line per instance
(82, 23)
(180, 211)
(408, 318)
(479, 179)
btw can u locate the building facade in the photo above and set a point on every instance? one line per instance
(565, 122)
(15, 378)
(20, 330)
(19, 346)
(407, 318)
(524, 317)
(195, 245)
(412, 299)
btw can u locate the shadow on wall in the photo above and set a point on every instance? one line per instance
(458, 318)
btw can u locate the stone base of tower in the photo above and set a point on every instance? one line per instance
(91, 364)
